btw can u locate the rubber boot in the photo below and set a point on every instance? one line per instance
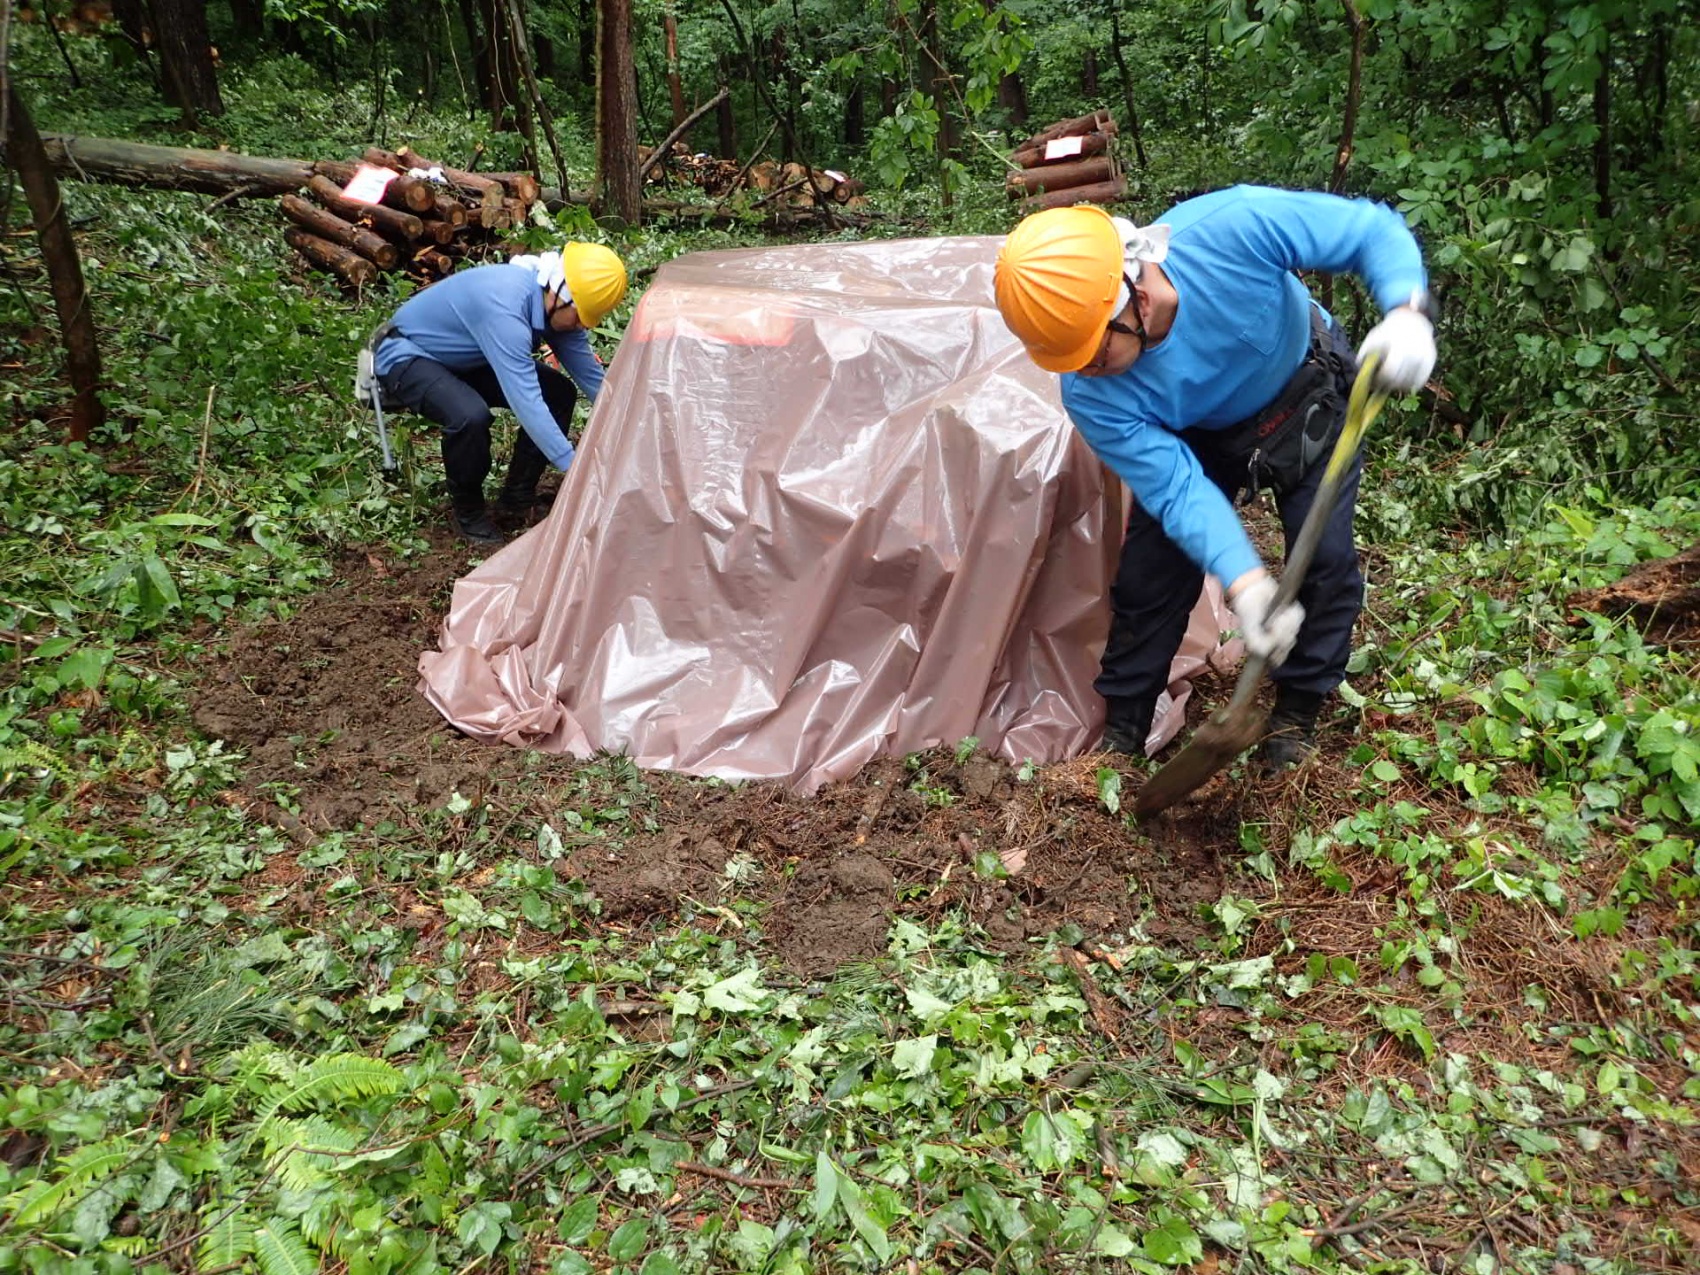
(1292, 729)
(518, 497)
(1127, 723)
(472, 522)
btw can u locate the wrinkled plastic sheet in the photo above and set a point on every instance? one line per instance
(825, 510)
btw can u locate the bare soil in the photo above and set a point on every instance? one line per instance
(1663, 595)
(323, 702)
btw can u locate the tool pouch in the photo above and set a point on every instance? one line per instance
(1282, 442)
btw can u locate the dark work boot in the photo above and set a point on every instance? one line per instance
(1127, 723)
(472, 522)
(1292, 729)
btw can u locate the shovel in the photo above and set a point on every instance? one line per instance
(1231, 730)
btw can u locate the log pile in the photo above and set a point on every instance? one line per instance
(422, 225)
(787, 185)
(1071, 162)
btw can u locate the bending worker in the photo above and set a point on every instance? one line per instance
(1198, 367)
(466, 344)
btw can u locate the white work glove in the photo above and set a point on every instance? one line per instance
(1270, 635)
(1405, 341)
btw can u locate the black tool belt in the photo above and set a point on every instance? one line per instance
(383, 332)
(1281, 443)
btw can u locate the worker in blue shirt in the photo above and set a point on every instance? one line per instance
(1197, 366)
(466, 344)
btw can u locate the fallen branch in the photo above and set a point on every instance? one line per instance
(726, 1175)
(684, 126)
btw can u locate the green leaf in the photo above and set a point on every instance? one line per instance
(872, 1233)
(1174, 1243)
(913, 1059)
(280, 1250)
(332, 1079)
(227, 1241)
(156, 575)
(578, 1220)
(741, 993)
(627, 1242)
(660, 1264)
(1384, 770)
(826, 1186)
(481, 1226)
(1110, 789)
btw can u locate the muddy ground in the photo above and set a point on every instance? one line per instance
(323, 702)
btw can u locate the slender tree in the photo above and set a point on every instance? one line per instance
(28, 157)
(618, 187)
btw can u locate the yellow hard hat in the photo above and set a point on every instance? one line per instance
(1057, 277)
(596, 277)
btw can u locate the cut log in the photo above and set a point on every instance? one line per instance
(414, 193)
(438, 232)
(454, 176)
(439, 263)
(1090, 144)
(521, 186)
(349, 266)
(450, 209)
(1097, 193)
(388, 221)
(1093, 123)
(173, 167)
(327, 225)
(404, 193)
(1059, 176)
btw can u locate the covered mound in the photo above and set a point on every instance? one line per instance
(825, 510)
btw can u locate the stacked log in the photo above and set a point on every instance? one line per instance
(1071, 162)
(788, 185)
(423, 225)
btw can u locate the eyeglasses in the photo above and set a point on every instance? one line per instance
(1137, 331)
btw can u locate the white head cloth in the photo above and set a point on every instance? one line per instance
(1139, 245)
(547, 267)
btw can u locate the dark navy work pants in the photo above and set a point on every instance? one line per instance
(461, 402)
(1157, 585)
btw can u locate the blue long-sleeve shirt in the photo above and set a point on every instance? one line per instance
(1242, 329)
(494, 315)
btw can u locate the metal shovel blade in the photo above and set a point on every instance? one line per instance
(1214, 745)
(1232, 730)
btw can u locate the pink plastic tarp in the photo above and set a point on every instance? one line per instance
(825, 510)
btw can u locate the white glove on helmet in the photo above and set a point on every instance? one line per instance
(1270, 635)
(1405, 341)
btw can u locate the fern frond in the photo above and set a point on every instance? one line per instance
(83, 1169)
(227, 1242)
(127, 1245)
(279, 1249)
(296, 1144)
(334, 1079)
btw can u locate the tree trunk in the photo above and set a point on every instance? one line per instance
(248, 18)
(587, 20)
(1127, 85)
(1354, 93)
(480, 47)
(185, 55)
(174, 167)
(507, 103)
(675, 84)
(1089, 73)
(64, 267)
(1602, 138)
(855, 127)
(726, 123)
(543, 56)
(619, 189)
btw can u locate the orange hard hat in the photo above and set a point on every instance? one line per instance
(1057, 278)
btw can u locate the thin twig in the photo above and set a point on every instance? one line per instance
(737, 1179)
